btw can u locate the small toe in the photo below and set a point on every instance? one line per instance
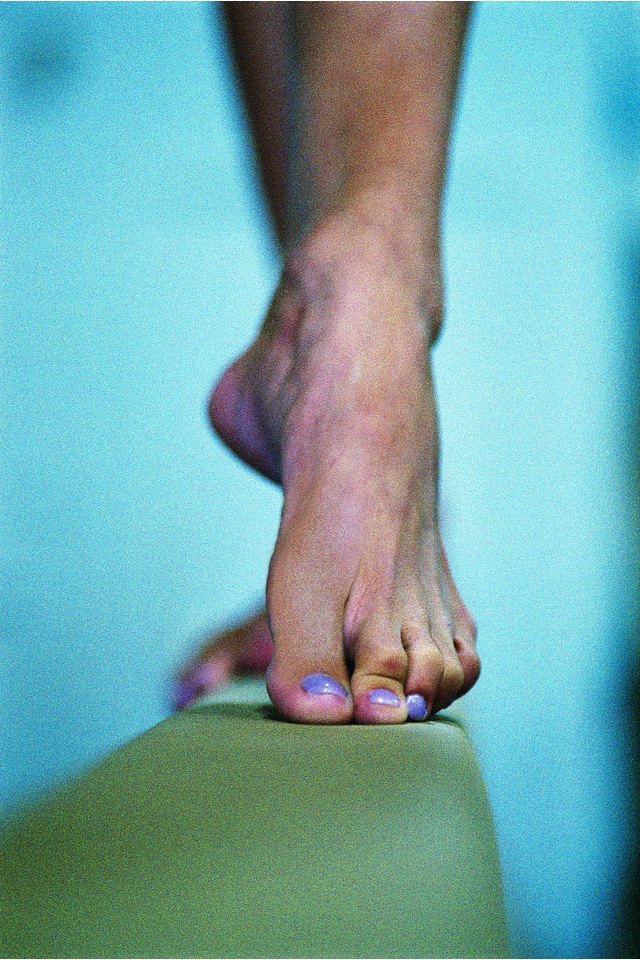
(380, 670)
(469, 661)
(425, 664)
(416, 707)
(202, 678)
(451, 683)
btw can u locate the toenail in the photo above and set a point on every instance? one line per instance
(386, 697)
(416, 707)
(182, 693)
(322, 683)
(202, 678)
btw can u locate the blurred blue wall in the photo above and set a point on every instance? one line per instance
(138, 261)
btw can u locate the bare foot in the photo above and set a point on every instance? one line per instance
(244, 649)
(334, 400)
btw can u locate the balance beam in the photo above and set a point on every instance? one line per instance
(227, 832)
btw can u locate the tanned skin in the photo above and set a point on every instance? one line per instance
(351, 107)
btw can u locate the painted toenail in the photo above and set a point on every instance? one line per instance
(322, 683)
(182, 693)
(386, 697)
(203, 677)
(416, 707)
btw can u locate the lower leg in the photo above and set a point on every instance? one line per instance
(334, 399)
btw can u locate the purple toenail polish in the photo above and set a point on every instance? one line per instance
(201, 679)
(416, 707)
(182, 693)
(322, 683)
(386, 697)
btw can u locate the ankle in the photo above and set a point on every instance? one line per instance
(363, 246)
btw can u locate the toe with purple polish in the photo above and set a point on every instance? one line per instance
(182, 693)
(321, 684)
(203, 677)
(385, 697)
(416, 707)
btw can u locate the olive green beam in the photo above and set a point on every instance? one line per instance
(228, 832)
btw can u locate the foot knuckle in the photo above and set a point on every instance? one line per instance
(428, 657)
(434, 659)
(469, 628)
(413, 636)
(390, 662)
(466, 626)
(452, 677)
(427, 670)
(471, 667)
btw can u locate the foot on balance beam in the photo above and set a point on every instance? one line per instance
(228, 832)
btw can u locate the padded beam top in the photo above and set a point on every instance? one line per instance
(227, 832)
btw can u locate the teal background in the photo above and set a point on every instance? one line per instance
(138, 261)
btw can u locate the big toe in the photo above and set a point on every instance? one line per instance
(307, 679)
